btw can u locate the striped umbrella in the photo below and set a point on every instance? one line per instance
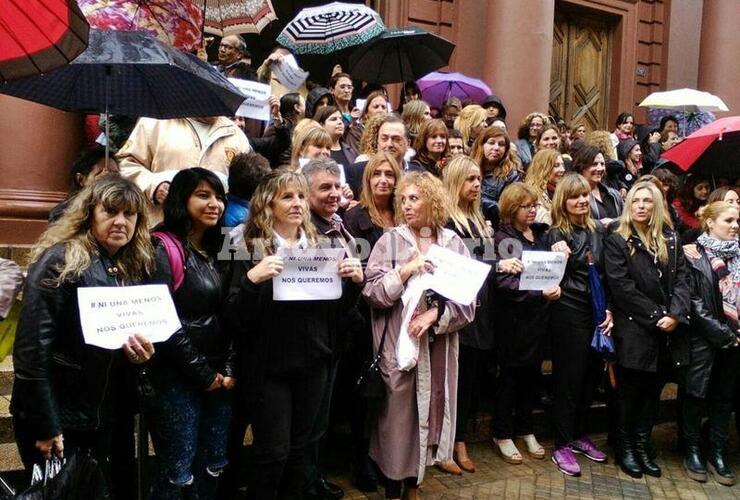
(329, 28)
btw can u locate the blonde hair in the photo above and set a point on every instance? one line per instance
(413, 115)
(602, 140)
(571, 186)
(469, 117)
(523, 132)
(463, 212)
(712, 211)
(135, 260)
(540, 170)
(433, 193)
(512, 198)
(311, 134)
(366, 196)
(259, 234)
(369, 140)
(652, 237)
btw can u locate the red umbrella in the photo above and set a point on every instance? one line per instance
(713, 149)
(37, 36)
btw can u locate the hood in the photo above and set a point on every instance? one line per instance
(494, 99)
(624, 148)
(313, 97)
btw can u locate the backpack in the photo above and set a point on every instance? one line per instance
(175, 256)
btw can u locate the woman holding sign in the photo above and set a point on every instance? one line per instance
(521, 322)
(401, 444)
(285, 345)
(65, 392)
(189, 406)
(576, 370)
(650, 291)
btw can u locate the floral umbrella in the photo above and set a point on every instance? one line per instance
(175, 22)
(233, 17)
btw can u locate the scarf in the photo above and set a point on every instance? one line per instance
(723, 256)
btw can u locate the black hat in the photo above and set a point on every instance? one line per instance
(495, 100)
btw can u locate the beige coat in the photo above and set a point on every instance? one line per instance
(157, 149)
(416, 427)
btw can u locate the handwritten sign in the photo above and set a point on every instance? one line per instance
(110, 315)
(456, 277)
(289, 73)
(542, 270)
(256, 103)
(308, 274)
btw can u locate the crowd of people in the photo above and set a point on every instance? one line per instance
(201, 206)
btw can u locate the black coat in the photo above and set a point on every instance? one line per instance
(520, 317)
(203, 346)
(640, 297)
(360, 226)
(61, 383)
(709, 330)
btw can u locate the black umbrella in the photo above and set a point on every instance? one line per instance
(400, 55)
(132, 73)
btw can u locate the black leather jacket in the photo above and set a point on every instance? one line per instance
(202, 347)
(60, 382)
(709, 330)
(575, 289)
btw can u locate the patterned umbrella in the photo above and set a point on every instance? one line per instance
(176, 22)
(37, 36)
(329, 28)
(688, 122)
(233, 17)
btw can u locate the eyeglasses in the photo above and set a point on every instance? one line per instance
(530, 206)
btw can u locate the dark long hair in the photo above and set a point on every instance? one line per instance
(176, 217)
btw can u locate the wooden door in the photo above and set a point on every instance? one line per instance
(579, 79)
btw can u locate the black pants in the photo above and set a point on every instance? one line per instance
(576, 371)
(472, 364)
(393, 487)
(719, 399)
(282, 424)
(321, 425)
(638, 398)
(515, 396)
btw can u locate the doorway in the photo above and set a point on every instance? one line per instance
(580, 75)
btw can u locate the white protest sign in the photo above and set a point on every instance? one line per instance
(110, 315)
(289, 73)
(456, 277)
(360, 104)
(542, 270)
(308, 274)
(256, 103)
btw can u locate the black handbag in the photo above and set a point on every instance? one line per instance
(370, 385)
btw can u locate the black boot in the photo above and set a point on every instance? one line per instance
(693, 464)
(642, 452)
(719, 468)
(626, 456)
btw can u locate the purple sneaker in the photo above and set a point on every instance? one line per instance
(586, 447)
(566, 461)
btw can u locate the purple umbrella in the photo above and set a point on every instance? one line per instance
(438, 87)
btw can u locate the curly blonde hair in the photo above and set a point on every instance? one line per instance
(602, 140)
(135, 260)
(523, 132)
(259, 234)
(469, 117)
(540, 170)
(432, 192)
(369, 140)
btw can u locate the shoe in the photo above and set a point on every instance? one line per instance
(467, 465)
(364, 477)
(410, 494)
(534, 449)
(450, 468)
(694, 465)
(626, 458)
(718, 467)
(585, 446)
(642, 453)
(325, 489)
(566, 461)
(508, 451)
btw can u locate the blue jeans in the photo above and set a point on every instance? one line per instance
(190, 431)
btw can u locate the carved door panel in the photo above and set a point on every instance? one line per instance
(579, 83)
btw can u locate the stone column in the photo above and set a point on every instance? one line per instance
(719, 69)
(38, 145)
(518, 55)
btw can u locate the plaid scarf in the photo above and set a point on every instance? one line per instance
(723, 256)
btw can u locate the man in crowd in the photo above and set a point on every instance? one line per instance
(157, 149)
(233, 58)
